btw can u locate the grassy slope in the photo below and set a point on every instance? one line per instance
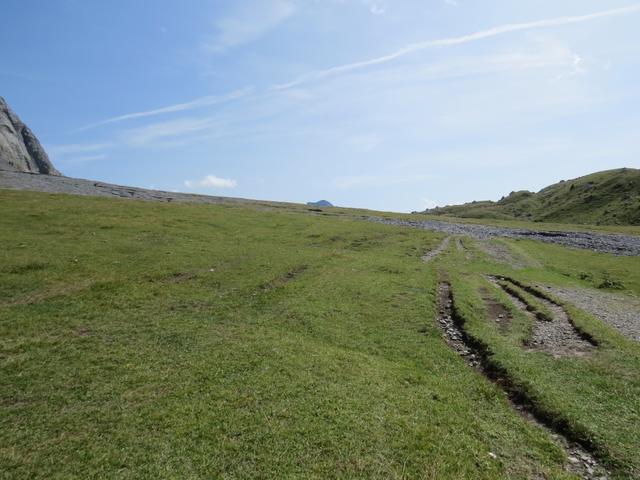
(142, 340)
(604, 198)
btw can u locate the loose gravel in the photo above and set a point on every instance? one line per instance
(597, 242)
(557, 337)
(620, 311)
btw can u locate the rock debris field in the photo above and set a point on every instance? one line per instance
(620, 311)
(597, 242)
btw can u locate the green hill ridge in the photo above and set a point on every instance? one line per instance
(610, 197)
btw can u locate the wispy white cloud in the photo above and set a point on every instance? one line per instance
(77, 148)
(211, 181)
(453, 3)
(283, 9)
(453, 41)
(427, 203)
(579, 67)
(542, 53)
(83, 159)
(179, 107)
(375, 7)
(249, 22)
(79, 153)
(153, 133)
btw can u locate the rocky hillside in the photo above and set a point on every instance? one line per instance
(611, 197)
(20, 150)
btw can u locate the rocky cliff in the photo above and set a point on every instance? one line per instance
(20, 150)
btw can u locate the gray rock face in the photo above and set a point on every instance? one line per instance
(20, 150)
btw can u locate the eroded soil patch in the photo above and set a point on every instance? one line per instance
(557, 336)
(284, 279)
(477, 355)
(497, 311)
(453, 334)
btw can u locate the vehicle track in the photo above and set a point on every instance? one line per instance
(430, 255)
(478, 356)
(557, 335)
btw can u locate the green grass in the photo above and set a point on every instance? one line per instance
(534, 305)
(605, 198)
(146, 340)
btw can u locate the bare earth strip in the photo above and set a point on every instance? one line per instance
(579, 461)
(557, 337)
(620, 311)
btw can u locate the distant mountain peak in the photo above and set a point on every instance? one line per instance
(320, 203)
(20, 150)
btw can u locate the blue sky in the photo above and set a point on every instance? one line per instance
(391, 104)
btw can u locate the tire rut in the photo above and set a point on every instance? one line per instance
(477, 355)
(557, 336)
(430, 255)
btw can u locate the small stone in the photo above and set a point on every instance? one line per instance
(573, 460)
(493, 455)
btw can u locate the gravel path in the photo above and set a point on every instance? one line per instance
(557, 337)
(620, 311)
(597, 242)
